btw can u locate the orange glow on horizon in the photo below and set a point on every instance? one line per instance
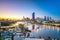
(11, 18)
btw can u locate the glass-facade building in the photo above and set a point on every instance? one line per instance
(33, 16)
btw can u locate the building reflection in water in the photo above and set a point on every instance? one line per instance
(33, 27)
(44, 31)
(50, 27)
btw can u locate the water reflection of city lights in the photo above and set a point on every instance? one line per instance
(57, 28)
(40, 28)
(49, 27)
(34, 30)
(53, 28)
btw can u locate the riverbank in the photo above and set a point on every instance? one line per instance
(50, 24)
(47, 23)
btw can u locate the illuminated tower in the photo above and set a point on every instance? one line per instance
(33, 16)
(44, 18)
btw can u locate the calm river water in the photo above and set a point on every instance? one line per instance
(44, 31)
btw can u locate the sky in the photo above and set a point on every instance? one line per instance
(20, 8)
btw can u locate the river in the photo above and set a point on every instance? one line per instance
(44, 31)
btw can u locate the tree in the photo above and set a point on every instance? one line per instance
(23, 29)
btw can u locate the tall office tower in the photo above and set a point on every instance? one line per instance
(48, 18)
(44, 18)
(33, 16)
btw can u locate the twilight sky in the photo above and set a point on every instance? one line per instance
(20, 8)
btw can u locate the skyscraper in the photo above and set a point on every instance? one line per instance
(44, 18)
(48, 18)
(33, 16)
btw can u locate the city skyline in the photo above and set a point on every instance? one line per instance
(18, 9)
